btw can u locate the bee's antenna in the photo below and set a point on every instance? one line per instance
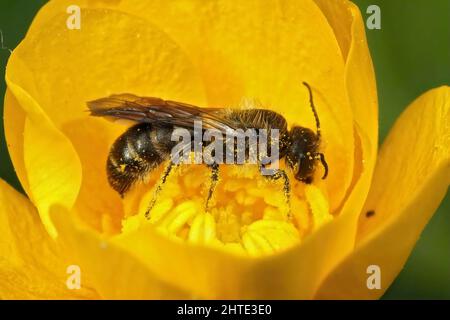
(311, 102)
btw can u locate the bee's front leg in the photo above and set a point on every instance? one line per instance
(281, 174)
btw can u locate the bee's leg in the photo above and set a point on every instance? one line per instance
(158, 189)
(214, 178)
(281, 174)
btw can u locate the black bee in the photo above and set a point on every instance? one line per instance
(148, 144)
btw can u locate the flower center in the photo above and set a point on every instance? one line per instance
(248, 213)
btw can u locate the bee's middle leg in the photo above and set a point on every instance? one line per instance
(158, 188)
(214, 178)
(281, 174)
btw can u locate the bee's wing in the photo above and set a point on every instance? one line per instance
(159, 111)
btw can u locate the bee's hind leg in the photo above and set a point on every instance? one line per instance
(214, 178)
(281, 174)
(159, 188)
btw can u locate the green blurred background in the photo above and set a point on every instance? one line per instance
(411, 54)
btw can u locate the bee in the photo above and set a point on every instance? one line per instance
(148, 144)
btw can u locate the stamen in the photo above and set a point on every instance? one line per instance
(203, 229)
(249, 215)
(177, 218)
(268, 236)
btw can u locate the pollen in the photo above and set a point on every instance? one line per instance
(248, 214)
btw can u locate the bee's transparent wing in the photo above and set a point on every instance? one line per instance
(159, 111)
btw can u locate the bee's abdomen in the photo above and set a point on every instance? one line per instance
(134, 154)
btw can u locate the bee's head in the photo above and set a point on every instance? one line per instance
(302, 155)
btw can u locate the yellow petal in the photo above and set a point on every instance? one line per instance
(14, 122)
(198, 269)
(114, 52)
(52, 168)
(361, 87)
(345, 19)
(32, 265)
(114, 272)
(96, 200)
(411, 179)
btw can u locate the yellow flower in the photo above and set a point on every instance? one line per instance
(214, 53)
